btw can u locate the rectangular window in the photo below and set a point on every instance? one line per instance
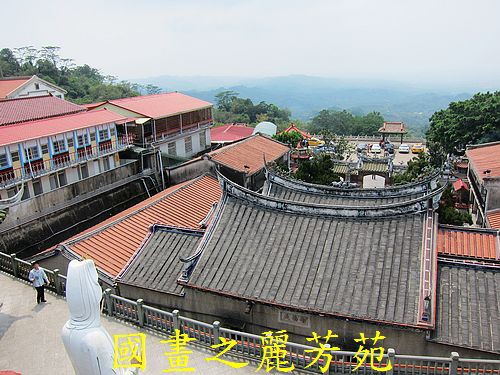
(37, 86)
(26, 192)
(32, 153)
(83, 140)
(62, 178)
(11, 192)
(15, 156)
(188, 143)
(103, 135)
(4, 161)
(45, 149)
(54, 184)
(203, 140)
(112, 131)
(92, 136)
(37, 187)
(172, 149)
(83, 171)
(59, 146)
(70, 142)
(105, 163)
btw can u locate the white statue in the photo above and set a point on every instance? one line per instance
(88, 344)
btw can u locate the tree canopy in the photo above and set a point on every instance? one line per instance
(476, 120)
(345, 123)
(318, 170)
(230, 108)
(84, 84)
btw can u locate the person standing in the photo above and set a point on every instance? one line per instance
(38, 277)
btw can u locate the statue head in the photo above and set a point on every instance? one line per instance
(83, 295)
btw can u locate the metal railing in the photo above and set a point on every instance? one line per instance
(249, 346)
(41, 167)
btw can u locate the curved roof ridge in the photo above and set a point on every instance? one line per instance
(416, 205)
(403, 190)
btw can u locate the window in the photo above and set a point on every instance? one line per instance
(4, 161)
(37, 187)
(103, 135)
(59, 146)
(15, 156)
(32, 153)
(59, 96)
(26, 192)
(172, 149)
(188, 144)
(45, 149)
(83, 171)
(11, 192)
(58, 180)
(105, 163)
(203, 140)
(70, 142)
(112, 131)
(37, 86)
(92, 136)
(62, 178)
(83, 140)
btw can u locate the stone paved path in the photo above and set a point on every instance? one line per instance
(30, 340)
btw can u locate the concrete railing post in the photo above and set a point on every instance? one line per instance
(454, 363)
(391, 356)
(216, 328)
(177, 324)
(57, 282)
(15, 267)
(140, 312)
(109, 303)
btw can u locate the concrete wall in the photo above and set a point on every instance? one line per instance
(31, 90)
(230, 312)
(180, 143)
(492, 185)
(187, 171)
(56, 222)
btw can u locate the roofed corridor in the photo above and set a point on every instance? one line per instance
(30, 336)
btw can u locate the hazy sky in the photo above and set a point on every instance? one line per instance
(419, 41)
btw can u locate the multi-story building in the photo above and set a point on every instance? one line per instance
(484, 178)
(22, 87)
(177, 124)
(44, 155)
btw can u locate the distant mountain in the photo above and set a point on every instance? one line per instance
(305, 96)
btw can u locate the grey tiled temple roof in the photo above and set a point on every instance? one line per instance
(468, 307)
(283, 192)
(157, 265)
(366, 268)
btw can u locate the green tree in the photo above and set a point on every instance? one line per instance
(224, 100)
(418, 167)
(318, 170)
(447, 213)
(476, 120)
(9, 66)
(290, 138)
(345, 123)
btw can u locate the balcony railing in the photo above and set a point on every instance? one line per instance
(174, 132)
(40, 167)
(249, 346)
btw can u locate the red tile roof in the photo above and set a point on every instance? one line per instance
(112, 243)
(460, 184)
(10, 134)
(485, 158)
(467, 242)
(35, 108)
(249, 153)
(393, 127)
(230, 133)
(7, 85)
(161, 105)
(493, 218)
(294, 128)
(91, 106)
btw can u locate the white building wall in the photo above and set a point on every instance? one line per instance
(180, 143)
(31, 90)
